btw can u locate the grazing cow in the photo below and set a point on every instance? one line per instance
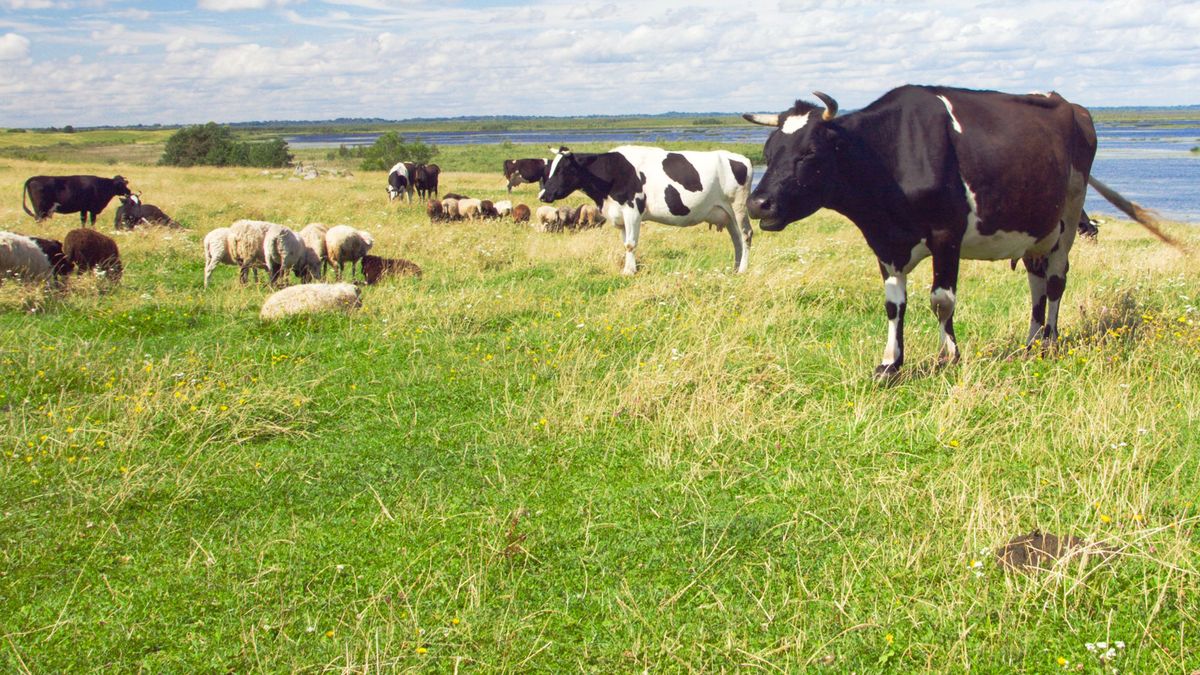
(519, 171)
(634, 183)
(399, 182)
(520, 213)
(942, 173)
(87, 195)
(425, 177)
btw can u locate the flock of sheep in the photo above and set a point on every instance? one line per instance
(547, 218)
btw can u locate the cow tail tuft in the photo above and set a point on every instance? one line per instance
(1145, 217)
(24, 193)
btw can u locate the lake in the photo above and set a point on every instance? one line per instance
(1151, 165)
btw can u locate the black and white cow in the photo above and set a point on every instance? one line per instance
(942, 173)
(519, 171)
(400, 182)
(634, 183)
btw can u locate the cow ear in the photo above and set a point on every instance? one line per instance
(764, 120)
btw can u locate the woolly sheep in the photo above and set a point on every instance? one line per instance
(488, 210)
(313, 236)
(504, 208)
(374, 268)
(588, 216)
(54, 253)
(246, 239)
(566, 217)
(310, 299)
(520, 213)
(347, 245)
(547, 219)
(216, 251)
(433, 208)
(21, 257)
(283, 251)
(88, 249)
(450, 208)
(468, 209)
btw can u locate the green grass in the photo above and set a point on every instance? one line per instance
(525, 462)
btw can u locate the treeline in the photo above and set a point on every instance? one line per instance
(214, 145)
(383, 154)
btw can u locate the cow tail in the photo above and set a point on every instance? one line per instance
(24, 193)
(1144, 217)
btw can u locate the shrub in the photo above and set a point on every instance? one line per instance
(390, 148)
(213, 145)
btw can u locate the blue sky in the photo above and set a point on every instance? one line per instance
(90, 62)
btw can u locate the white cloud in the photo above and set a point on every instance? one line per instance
(14, 47)
(234, 5)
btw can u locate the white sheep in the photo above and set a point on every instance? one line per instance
(216, 251)
(283, 251)
(313, 236)
(504, 208)
(450, 208)
(469, 208)
(21, 257)
(310, 299)
(547, 219)
(347, 245)
(246, 245)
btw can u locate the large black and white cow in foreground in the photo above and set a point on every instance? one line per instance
(635, 183)
(87, 195)
(519, 171)
(942, 173)
(400, 181)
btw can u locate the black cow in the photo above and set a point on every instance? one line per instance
(942, 173)
(425, 177)
(519, 171)
(87, 195)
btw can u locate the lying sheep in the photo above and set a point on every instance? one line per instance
(53, 249)
(216, 251)
(313, 236)
(503, 208)
(547, 219)
(88, 249)
(310, 299)
(22, 258)
(468, 209)
(450, 208)
(520, 213)
(374, 268)
(347, 245)
(246, 239)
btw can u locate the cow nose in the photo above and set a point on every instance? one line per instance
(761, 207)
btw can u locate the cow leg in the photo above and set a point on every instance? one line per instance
(1035, 270)
(633, 224)
(942, 300)
(895, 291)
(83, 218)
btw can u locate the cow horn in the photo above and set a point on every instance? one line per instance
(831, 106)
(764, 120)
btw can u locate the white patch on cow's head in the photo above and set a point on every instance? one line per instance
(540, 193)
(554, 165)
(950, 109)
(794, 123)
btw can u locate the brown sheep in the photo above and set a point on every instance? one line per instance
(88, 249)
(520, 213)
(488, 210)
(374, 268)
(54, 253)
(435, 211)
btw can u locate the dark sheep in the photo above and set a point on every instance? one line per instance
(54, 253)
(374, 268)
(454, 195)
(88, 249)
(434, 209)
(520, 213)
(566, 217)
(488, 210)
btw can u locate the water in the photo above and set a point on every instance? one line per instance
(1153, 166)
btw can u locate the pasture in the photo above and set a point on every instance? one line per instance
(525, 462)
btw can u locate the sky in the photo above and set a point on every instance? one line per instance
(112, 62)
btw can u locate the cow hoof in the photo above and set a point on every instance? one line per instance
(887, 372)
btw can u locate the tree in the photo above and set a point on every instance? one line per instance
(213, 145)
(390, 148)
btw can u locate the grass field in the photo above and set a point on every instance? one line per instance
(526, 462)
